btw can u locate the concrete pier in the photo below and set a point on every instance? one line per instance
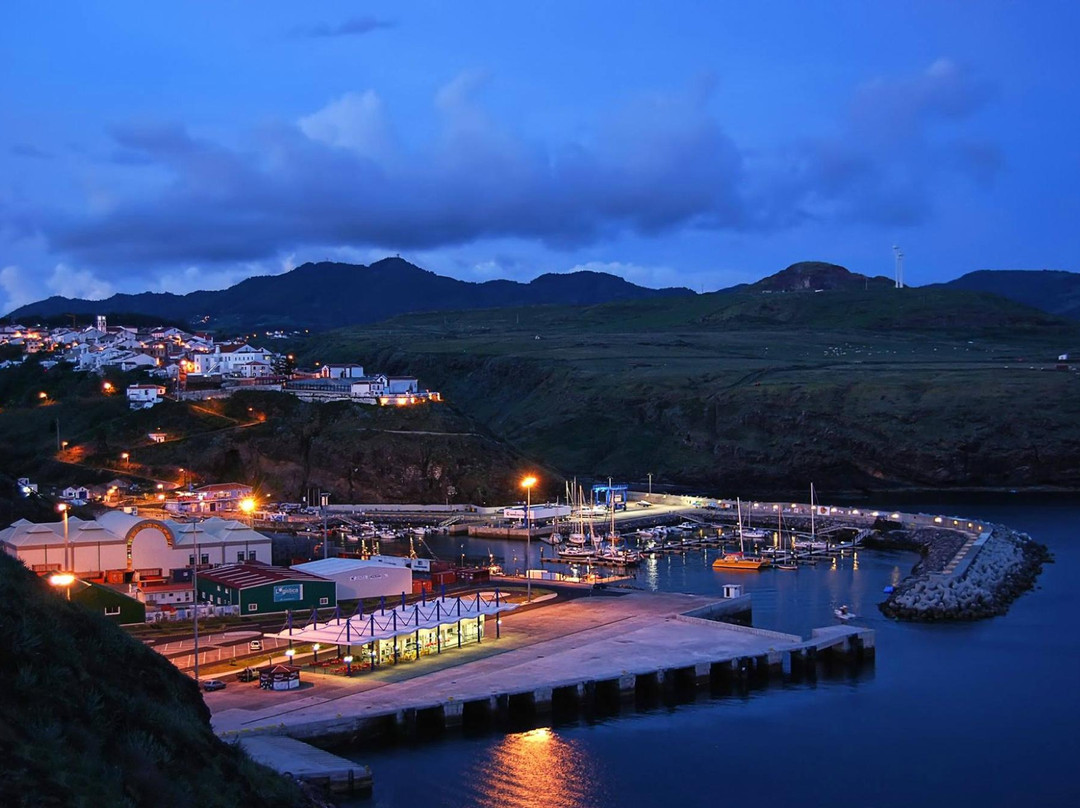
(584, 655)
(305, 762)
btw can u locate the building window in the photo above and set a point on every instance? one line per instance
(324, 601)
(240, 556)
(253, 607)
(112, 611)
(251, 555)
(205, 558)
(191, 560)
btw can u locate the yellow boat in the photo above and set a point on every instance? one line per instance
(738, 561)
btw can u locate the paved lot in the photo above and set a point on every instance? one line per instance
(557, 643)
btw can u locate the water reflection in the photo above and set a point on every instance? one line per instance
(538, 767)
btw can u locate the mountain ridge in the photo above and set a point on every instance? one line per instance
(360, 294)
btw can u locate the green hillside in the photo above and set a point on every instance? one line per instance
(91, 717)
(861, 390)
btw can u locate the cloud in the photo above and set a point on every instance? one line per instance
(82, 283)
(901, 139)
(356, 121)
(356, 26)
(340, 178)
(18, 286)
(29, 150)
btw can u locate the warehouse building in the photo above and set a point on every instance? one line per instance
(263, 589)
(358, 578)
(122, 543)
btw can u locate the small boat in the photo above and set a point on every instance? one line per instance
(843, 613)
(578, 552)
(738, 561)
(787, 564)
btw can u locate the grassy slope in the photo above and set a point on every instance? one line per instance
(857, 390)
(91, 717)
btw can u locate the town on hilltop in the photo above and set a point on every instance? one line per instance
(196, 366)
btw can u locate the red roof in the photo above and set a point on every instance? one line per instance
(247, 575)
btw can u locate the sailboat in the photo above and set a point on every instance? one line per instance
(739, 560)
(790, 561)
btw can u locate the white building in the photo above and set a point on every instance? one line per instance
(341, 371)
(144, 396)
(359, 578)
(121, 542)
(227, 360)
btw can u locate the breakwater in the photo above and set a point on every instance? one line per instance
(962, 577)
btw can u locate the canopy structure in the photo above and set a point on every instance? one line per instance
(402, 620)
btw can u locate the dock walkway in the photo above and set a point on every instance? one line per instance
(562, 651)
(307, 763)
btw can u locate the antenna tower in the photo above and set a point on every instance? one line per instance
(899, 255)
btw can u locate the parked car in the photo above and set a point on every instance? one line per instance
(213, 684)
(255, 645)
(247, 675)
(644, 504)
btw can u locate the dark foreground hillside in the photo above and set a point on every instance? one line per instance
(91, 717)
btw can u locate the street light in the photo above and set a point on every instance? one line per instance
(64, 579)
(348, 665)
(63, 509)
(324, 500)
(126, 458)
(290, 653)
(248, 507)
(315, 653)
(528, 484)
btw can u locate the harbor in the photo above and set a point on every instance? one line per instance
(558, 655)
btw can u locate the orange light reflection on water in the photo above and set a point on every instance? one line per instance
(537, 768)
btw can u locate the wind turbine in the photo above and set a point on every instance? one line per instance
(899, 254)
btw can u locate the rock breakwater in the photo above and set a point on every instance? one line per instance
(1004, 568)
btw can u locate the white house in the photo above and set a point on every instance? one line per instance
(75, 492)
(144, 396)
(400, 385)
(341, 371)
(227, 359)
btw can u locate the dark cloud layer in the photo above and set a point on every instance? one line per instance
(341, 178)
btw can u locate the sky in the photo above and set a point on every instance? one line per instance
(182, 146)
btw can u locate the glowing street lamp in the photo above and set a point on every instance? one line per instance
(126, 457)
(315, 653)
(528, 484)
(247, 505)
(63, 509)
(64, 579)
(348, 665)
(290, 653)
(107, 388)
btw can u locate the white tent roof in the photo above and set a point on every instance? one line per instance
(397, 622)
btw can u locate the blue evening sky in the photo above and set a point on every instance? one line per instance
(175, 146)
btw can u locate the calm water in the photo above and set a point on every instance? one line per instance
(981, 714)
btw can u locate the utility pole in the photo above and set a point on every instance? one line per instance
(195, 599)
(650, 483)
(58, 446)
(324, 499)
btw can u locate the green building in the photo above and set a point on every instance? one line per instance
(108, 603)
(262, 589)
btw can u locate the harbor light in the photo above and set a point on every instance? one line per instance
(937, 520)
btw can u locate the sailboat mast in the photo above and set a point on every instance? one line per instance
(738, 503)
(813, 533)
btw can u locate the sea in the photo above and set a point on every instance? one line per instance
(969, 714)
